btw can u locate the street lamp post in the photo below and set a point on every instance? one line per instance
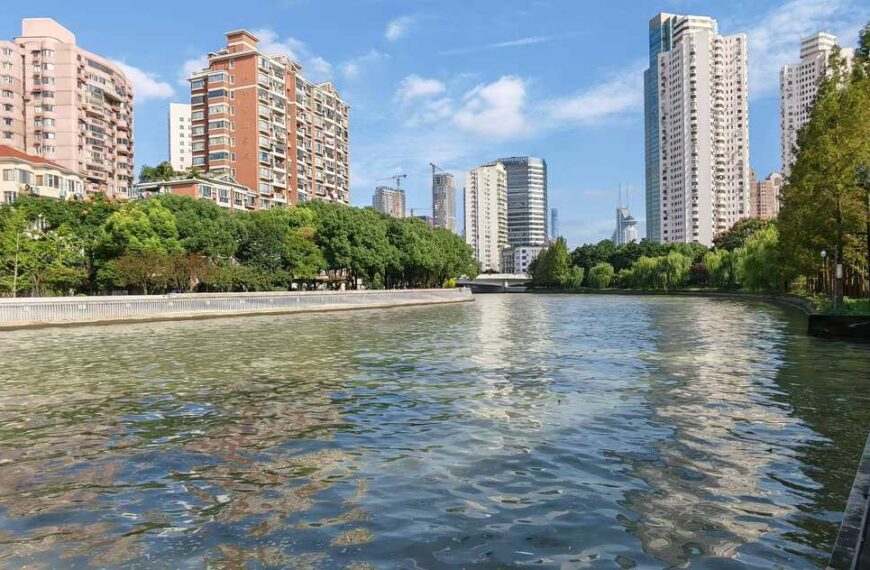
(863, 177)
(825, 270)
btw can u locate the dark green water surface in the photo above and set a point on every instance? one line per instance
(542, 431)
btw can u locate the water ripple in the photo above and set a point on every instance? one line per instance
(546, 431)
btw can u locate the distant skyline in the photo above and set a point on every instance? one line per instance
(459, 83)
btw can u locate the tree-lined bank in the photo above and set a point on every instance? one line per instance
(171, 243)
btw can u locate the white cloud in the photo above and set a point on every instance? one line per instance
(399, 27)
(354, 66)
(314, 67)
(414, 86)
(775, 40)
(495, 110)
(190, 67)
(146, 85)
(526, 41)
(619, 93)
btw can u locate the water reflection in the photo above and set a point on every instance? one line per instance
(518, 430)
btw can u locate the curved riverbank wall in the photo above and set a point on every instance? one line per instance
(59, 311)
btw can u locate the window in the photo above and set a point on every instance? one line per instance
(8, 175)
(47, 53)
(197, 84)
(6, 94)
(218, 109)
(220, 76)
(7, 121)
(198, 146)
(198, 131)
(218, 156)
(232, 63)
(205, 191)
(215, 93)
(198, 161)
(197, 100)
(196, 115)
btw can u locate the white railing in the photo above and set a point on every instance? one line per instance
(67, 310)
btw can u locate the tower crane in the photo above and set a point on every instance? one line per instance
(436, 168)
(397, 178)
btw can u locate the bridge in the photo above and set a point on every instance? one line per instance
(497, 283)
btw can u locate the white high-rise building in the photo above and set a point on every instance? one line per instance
(444, 200)
(526, 200)
(626, 227)
(486, 227)
(703, 131)
(180, 139)
(798, 86)
(390, 201)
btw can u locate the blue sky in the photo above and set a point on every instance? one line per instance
(459, 82)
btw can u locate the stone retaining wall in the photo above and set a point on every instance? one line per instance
(50, 311)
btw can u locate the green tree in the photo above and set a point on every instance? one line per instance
(551, 267)
(674, 270)
(162, 171)
(756, 265)
(204, 227)
(601, 276)
(720, 267)
(140, 227)
(14, 242)
(150, 272)
(823, 208)
(737, 234)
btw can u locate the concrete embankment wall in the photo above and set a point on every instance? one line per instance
(54, 311)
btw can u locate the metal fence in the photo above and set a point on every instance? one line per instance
(59, 310)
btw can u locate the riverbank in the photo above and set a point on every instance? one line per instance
(851, 550)
(70, 311)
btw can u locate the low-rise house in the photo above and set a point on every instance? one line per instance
(222, 190)
(26, 174)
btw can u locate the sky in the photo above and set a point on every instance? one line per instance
(458, 82)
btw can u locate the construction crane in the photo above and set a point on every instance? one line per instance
(397, 178)
(436, 168)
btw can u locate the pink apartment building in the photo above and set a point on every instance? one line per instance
(68, 105)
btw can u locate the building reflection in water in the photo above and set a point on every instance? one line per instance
(712, 386)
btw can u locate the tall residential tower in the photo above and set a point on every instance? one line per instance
(700, 154)
(390, 201)
(526, 200)
(256, 119)
(486, 227)
(179, 137)
(67, 105)
(444, 200)
(798, 86)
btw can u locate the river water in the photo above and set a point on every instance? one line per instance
(542, 431)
